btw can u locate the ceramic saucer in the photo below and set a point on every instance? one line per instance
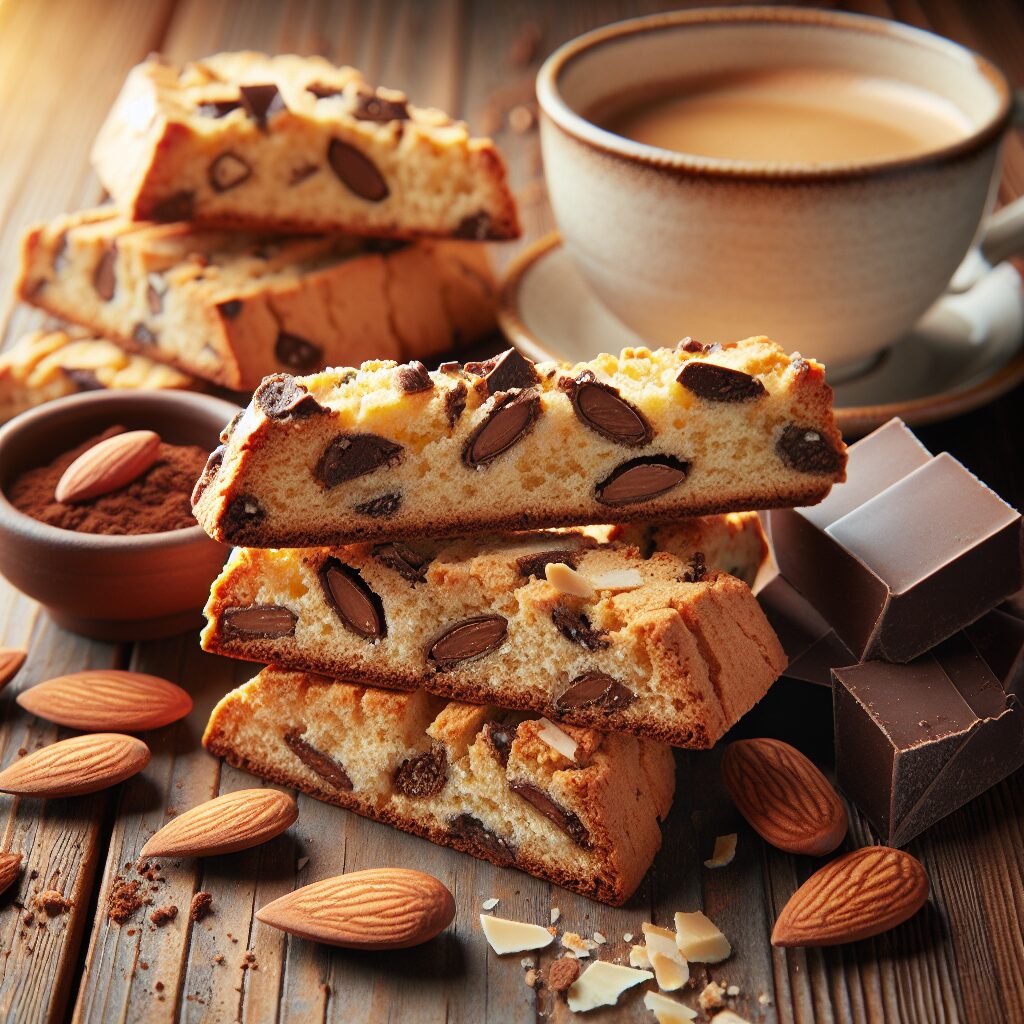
(967, 349)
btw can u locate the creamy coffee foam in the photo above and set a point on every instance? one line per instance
(806, 116)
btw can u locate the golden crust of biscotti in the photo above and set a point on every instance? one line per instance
(233, 308)
(612, 795)
(295, 144)
(673, 652)
(389, 451)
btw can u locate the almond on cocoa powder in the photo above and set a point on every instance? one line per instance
(108, 466)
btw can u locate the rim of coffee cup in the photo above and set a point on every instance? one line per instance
(564, 117)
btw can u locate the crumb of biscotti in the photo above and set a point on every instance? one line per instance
(52, 902)
(712, 997)
(123, 900)
(163, 915)
(202, 902)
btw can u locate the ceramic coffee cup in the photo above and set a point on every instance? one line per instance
(836, 261)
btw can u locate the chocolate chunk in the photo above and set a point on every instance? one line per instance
(511, 419)
(322, 91)
(217, 108)
(84, 380)
(406, 562)
(356, 171)
(720, 383)
(595, 688)
(379, 508)
(471, 638)
(805, 450)
(327, 767)
(230, 309)
(242, 515)
(500, 738)
(300, 174)
(423, 775)
(258, 622)
(228, 171)
(372, 105)
(455, 402)
(504, 372)
(281, 398)
(261, 102)
(697, 569)
(641, 480)
(481, 841)
(177, 206)
(413, 378)
(568, 822)
(155, 288)
(535, 564)
(143, 335)
(601, 407)
(353, 455)
(297, 353)
(689, 345)
(210, 470)
(104, 278)
(353, 601)
(575, 626)
(476, 227)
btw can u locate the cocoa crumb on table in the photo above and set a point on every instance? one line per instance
(202, 903)
(163, 915)
(123, 899)
(52, 902)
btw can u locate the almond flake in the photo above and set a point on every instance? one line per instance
(662, 940)
(618, 579)
(725, 850)
(728, 1017)
(556, 739)
(668, 1011)
(638, 957)
(507, 936)
(627, 936)
(301, 863)
(732, 991)
(670, 973)
(489, 904)
(699, 940)
(601, 984)
(555, 914)
(568, 581)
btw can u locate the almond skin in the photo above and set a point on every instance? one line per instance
(108, 466)
(82, 764)
(103, 699)
(11, 659)
(234, 821)
(858, 895)
(381, 908)
(10, 868)
(784, 797)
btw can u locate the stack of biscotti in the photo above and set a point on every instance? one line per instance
(275, 214)
(545, 670)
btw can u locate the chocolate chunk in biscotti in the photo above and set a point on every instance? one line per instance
(574, 625)
(423, 775)
(350, 456)
(568, 822)
(357, 171)
(720, 383)
(406, 562)
(281, 398)
(266, 621)
(511, 419)
(595, 688)
(482, 842)
(413, 378)
(642, 479)
(358, 607)
(471, 638)
(602, 408)
(297, 353)
(509, 370)
(806, 450)
(327, 767)
(261, 102)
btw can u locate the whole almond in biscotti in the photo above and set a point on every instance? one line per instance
(10, 867)
(11, 659)
(234, 821)
(82, 764)
(381, 908)
(860, 894)
(784, 797)
(102, 699)
(108, 466)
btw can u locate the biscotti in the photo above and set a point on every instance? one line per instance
(556, 624)
(45, 365)
(583, 813)
(232, 307)
(392, 451)
(295, 144)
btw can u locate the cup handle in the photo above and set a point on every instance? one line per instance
(1003, 234)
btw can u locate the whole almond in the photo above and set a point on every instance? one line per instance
(10, 867)
(860, 894)
(108, 466)
(103, 699)
(381, 908)
(11, 659)
(784, 797)
(82, 764)
(234, 821)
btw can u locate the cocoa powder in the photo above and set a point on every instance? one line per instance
(156, 501)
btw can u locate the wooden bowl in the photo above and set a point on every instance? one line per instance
(101, 586)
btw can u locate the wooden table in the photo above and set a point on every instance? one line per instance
(962, 959)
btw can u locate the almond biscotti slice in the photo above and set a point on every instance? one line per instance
(291, 143)
(573, 806)
(553, 623)
(45, 365)
(232, 307)
(388, 451)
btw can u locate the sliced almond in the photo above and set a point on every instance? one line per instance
(11, 659)
(601, 984)
(668, 1011)
(82, 764)
(101, 699)
(618, 579)
(557, 739)
(108, 466)
(724, 852)
(381, 908)
(699, 940)
(234, 821)
(10, 867)
(567, 580)
(669, 971)
(507, 936)
(639, 957)
(662, 940)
